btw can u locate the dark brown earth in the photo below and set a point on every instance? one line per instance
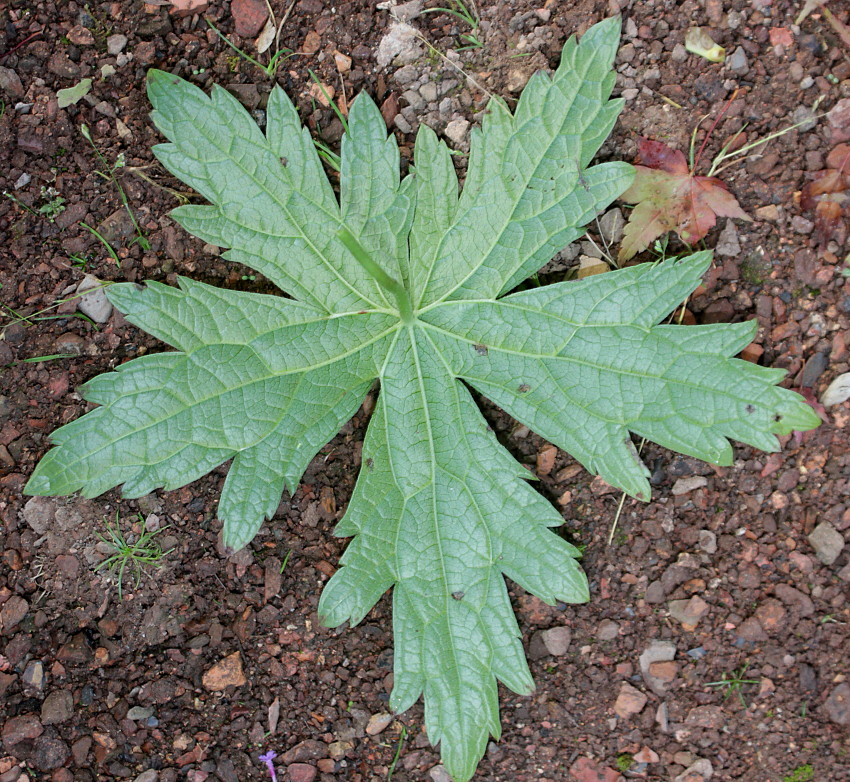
(716, 574)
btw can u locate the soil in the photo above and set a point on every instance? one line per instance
(715, 579)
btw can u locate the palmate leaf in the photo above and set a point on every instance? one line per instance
(404, 282)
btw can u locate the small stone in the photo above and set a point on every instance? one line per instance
(12, 612)
(378, 723)
(22, 728)
(301, 772)
(827, 542)
(646, 755)
(738, 62)
(428, 91)
(608, 630)
(49, 753)
(728, 242)
(33, 675)
(751, 631)
(312, 43)
(701, 771)
(708, 541)
(769, 212)
(688, 612)
(589, 770)
(22, 181)
(689, 484)
(665, 670)
(657, 651)
(679, 53)
(94, 304)
(115, 44)
(456, 131)
(630, 701)
(612, 225)
(309, 749)
(517, 79)
(69, 343)
(249, 16)
(10, 83)
(557, 640)
(705, 717)
(439, 774)
(226, 673)
(140, 712)
(342, 62)
(57, 707)
(151, 775)
(771, 615)
(802, 225)
(400, 46)
(80, 36)
(837, 705)
(655, 593)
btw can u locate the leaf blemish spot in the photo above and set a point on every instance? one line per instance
(458, 595)
(749, 409)
(481, 350)
(524, 388)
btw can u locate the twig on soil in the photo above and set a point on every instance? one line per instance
(21, 43)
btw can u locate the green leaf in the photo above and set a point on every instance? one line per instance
(75, 94)
(441, 512)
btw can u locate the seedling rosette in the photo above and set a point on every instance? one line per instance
(404, 281)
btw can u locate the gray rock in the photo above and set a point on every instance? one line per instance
(657, 651)
(10, 83)
(57, 707)
(701, 770)
(607, 630)
(33, 675)
(707, 541)
(517, 79)
(39, 513)
(439, 774)
(402, 124)
(428, 91)
(611, 225)
(140, 713)
(837, 705)
(827, 542)
(151, 775)
(655, 593)
(679, 53)
(689, 484)
(738, 62)
(400, 46)
(556, 640)
(414, 99)
(94, 304)
(456, 131)
(115, 44)
(728, 242)
(49, 753)
(802, 225)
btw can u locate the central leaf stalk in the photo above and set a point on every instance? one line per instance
(374, 270)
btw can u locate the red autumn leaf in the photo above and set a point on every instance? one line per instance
(668, 197)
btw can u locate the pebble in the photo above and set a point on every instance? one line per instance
(378, 723)
(556, 640)
(607, 630)
(701, 771)
(837, 705)
(802, 225)
(517, 79)
(456, 131)
(428, 91)
(12, 612)
(22, 728)
(400, 46)
(688, 612)
(140, 713)
(10, 82)
(151, 775)
(301, 772)
(738, 62)
(679, 53)
(49, 753)
(630, 701)
(657, 651)
(728, 242)
(226, 673)
(827, 542)
(708, 541)
(689, 484)
(94, 304)
(439, 774)
(612, 225)
(58, 707)
(655, 593)
(33, 675)
(115, 43)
